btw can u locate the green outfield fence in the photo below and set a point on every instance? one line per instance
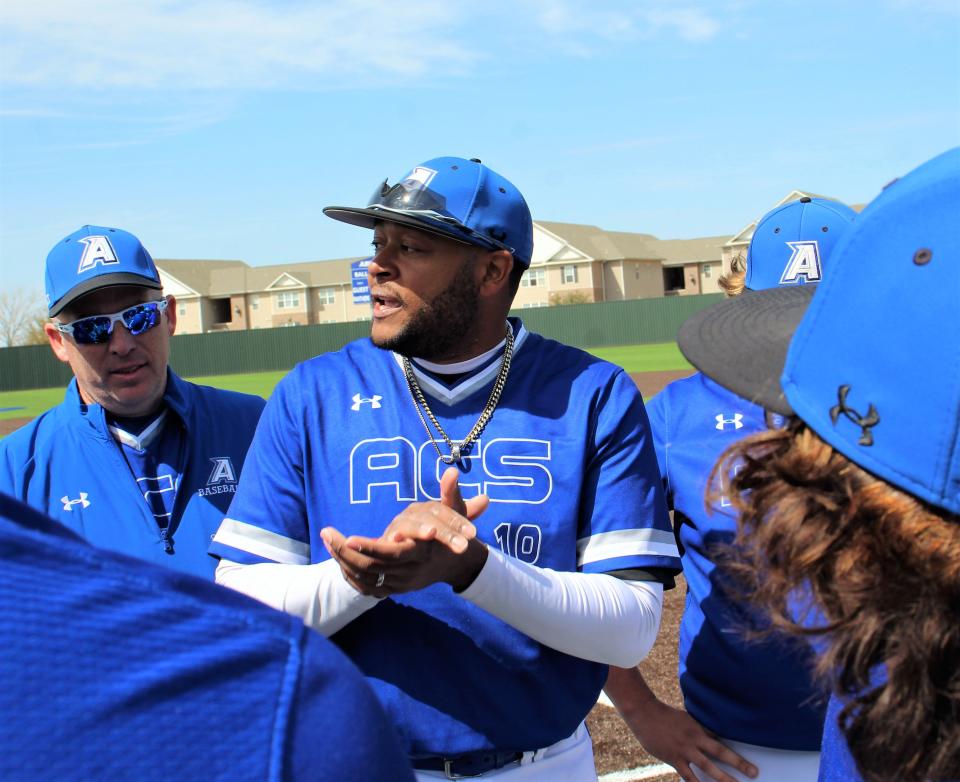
(231, 352)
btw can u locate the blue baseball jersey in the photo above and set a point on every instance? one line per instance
(758, 692)
(115, 669)
(67, 464)
(836, 762)
(570, 471)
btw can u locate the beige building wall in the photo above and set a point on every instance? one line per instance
(613, 281)
(188, 315)
(709, 274)
(259, 311)
(288, 306)
(534, 290)
(691, 279)
(642, 279)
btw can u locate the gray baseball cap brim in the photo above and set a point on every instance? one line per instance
(742, 342)
(102, 281)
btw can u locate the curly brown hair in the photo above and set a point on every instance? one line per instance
(883, 570)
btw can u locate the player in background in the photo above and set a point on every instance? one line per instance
(752, 708)
(134, 459)
(487, 642)
(853, 504)
(115, 669)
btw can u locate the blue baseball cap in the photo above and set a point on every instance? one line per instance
(791, 243)
(871, 360)
(95, 257)
(455, 198)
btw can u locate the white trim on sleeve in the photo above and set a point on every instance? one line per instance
(626, 543)
(262, 543)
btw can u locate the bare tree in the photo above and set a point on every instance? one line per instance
(22, 316)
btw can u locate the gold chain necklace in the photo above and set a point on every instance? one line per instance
(419, 400)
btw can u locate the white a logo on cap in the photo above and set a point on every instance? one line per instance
(97, 250)
(804, 263)
(419, 177)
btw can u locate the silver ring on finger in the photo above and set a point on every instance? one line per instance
(381, 577)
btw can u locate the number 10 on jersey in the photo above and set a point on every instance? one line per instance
(521, 541)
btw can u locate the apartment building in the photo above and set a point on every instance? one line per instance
(572, 263)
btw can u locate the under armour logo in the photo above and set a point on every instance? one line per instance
(98, 250)
(373, 401)
(736, 422)
(68, 504)
(222, 472)
(804, 264)
(864, 422)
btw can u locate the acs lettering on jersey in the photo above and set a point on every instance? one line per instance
(509, 470)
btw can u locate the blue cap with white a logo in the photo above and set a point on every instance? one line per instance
(95, 257)
(455, 198)
(873, 366)
(791, 243)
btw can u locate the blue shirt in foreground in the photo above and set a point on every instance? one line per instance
(755, 691)
(570, 471)
(113, 669)
(66, 464)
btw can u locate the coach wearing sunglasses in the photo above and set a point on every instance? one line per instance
(134, 459)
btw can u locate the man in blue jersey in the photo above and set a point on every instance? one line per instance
(134, 459)
(487, 642)
(744, 699)
(850, 510)
(115, 669)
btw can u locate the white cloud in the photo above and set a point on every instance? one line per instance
(234, 44)
(586, 26)
(269, 44)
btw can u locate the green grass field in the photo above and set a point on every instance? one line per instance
(633, 358)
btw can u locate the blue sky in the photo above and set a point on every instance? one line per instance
(220, 129)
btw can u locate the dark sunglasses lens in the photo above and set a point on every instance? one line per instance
(141, 318)
(408, 195)
(91, 331)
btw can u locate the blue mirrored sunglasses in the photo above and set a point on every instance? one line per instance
(97, 329)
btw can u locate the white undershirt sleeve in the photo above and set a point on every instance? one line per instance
(589, 615)
(318, 594)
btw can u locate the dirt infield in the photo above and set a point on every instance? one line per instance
(8, 425)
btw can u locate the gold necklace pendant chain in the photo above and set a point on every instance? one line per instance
(419, 401)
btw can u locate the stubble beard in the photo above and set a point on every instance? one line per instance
(437, 330)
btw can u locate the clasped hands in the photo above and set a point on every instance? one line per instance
(428, 543)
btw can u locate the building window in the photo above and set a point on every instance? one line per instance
(569, 274)
(288, 300)
(533, 304)
(636, 272)
(326, 295)
(533, 278)
(673, 278)
(221, 310)
(254, 302)
(706, 270)
(182, 310)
